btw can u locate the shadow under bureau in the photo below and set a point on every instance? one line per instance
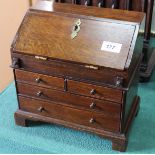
(78, 67)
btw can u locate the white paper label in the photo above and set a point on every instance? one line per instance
(111, 47)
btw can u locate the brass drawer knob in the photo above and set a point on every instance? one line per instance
(39, 93)
(92, 92)
(38, 80)
(91, 120)
(41, 109)
(92, 105)
(119, 81)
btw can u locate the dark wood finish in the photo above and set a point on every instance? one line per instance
(69, 99)
(122, 15)
(136, 5)
(40, 79)
(68, 114)
(148, 22)
(119, 145)
(21, 121)
(119, 141)
(72, 82)
(147, 63)
(94, 91)
(91, 32)
(146, 75)
(69, 70)
(131, 5)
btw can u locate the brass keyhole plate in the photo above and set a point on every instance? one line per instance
(76, 29)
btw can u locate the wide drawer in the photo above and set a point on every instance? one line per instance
(39, 79)
(86, 118)
(67, 99)
(94, 91)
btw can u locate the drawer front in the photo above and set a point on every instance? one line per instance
(71, 100)
(39, 79)
(94, 91)
(86, 118)
(67, 69)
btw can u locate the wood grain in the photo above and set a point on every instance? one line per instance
(70, 81)
(40, 32)
(71, 100)
(43, 80)
(99, 92)
(69, 114)
(71, 70)
(122, 15)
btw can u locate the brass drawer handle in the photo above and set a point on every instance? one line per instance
(40, 109)
(39, 93)
(38, 80)
(119, 81)
(91, 121)
(92, 105)
(92, 92)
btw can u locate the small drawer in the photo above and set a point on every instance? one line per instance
(39, 79)
(68, 114)
(100, 92)
(71, 100)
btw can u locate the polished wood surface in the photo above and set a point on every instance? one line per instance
(119, 141)
(70, 115)
(70, 87)
(68, 70)
(123, 15)
(145, 6)
(40, 79)
(57, 28)
(94, 91)
(68, 99)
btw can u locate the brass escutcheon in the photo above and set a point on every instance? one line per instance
(76, 29)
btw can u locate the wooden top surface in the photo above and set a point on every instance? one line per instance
(124, 15)
(49, 35)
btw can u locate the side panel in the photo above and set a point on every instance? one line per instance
(130, 95)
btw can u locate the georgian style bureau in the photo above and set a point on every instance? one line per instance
(78, 67)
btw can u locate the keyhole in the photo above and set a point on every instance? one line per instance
(75, 28)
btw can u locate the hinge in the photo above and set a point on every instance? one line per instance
(91, 67)
(40, 58)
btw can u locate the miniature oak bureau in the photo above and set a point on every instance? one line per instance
(78, 66)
